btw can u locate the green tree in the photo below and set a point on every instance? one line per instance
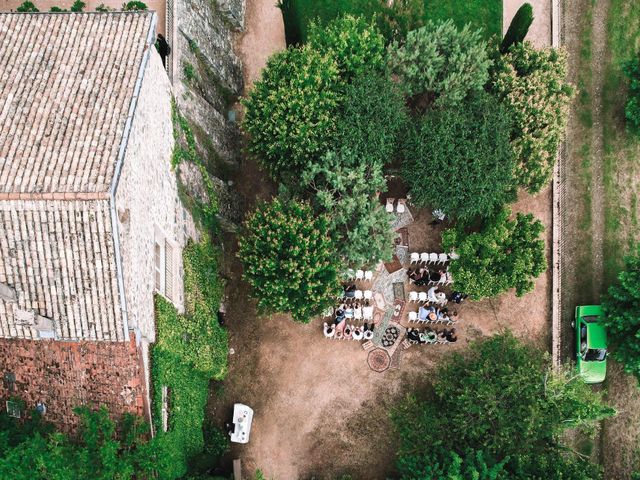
(289, 259)
(632, 108)
(356, 45)
(532, 85)
(621, 307)
(371, 120)
(290, 112)
(499, 404)
(440, 64)
(504, 254)
(459, 159)
(27, 7)
(518, 27)
(344, 189)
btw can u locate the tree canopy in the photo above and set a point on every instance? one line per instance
(440, 63)
(498, 409)
(290, 113)
(289, 259)
(531, 84)
(621, 307)
(503, 254)
(459, 159)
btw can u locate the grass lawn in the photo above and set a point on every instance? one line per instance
(298, 14)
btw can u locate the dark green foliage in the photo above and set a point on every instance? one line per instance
(78, 6)
(188, 71)
(459, 159)
(498, 406)
(632, 108)
(27, 7)
(55, 9)
(290, 112)
(190, 350)
(621, 307)
(38, 453)
(518, 28)
(504, 254)
(371, 120)
(134, 5)
(289, 259)
(103, 8)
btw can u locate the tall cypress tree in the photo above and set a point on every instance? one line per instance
(518, 28)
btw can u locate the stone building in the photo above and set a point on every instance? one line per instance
(91, 225)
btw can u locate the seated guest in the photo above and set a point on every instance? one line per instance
(357, 311)
(412, 274)
(454, 316)
(423, 277)
(451, 336)
(436, 276)
(329, 331)
(413, 335)
(350, 290)
(458, 297)
(423, 313)
(340, 314)
(367, 311)
(348, 313)
(431, 294)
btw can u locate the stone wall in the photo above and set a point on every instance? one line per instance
(147, 199)
(64, 375)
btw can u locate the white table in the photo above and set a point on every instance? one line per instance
(242, 418)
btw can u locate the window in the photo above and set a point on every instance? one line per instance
(158, 266)
(13, 409)
(168, 271)
(164, 265)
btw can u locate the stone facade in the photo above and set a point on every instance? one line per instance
(147, 202)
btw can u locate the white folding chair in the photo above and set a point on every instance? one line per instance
(368, 294)
(359, 274)
(415, 258)
(443, 279)
(357, 313)
(401, 206)
(413, 316)
(433, 258)
(413, 296)
(424, 258)
(443, 258)
(422, 297)
(389, 205)
(358, 295)
(368, 275)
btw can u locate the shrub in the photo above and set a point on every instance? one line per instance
(78, 6)
(504, 254)
(459, 159)
(55, 9)
(103, 8)
(188, 70)
(134, 5)
(371, 120)
(632, 108)
(27, 7)
(498, 407)
(621, 307)
(402, 17)
(518, 27)
(344, 189)
(440, 64)
(355, 44)
(289, 259)
(290, 112)
(531, 84)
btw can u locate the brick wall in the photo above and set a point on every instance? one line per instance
(65, 375)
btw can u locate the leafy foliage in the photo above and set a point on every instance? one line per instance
(504, 254)
(290, 113)
(78, 6)
(498, 408)
(459, 159)
(134, 5)
(41, 454)
(190, 350)
(632, 108)
(622, 315)
(27, 7)
(371, 120)
(344, 189)
(531, 83)
(440, 64)
(518, 27)
(355, 44)
(289, 259)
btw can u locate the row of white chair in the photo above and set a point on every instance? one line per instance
(446, 279)
(401, 206)
(366, 275)
(361, 294)
(429, 258)
(413, 318)
(350, 333)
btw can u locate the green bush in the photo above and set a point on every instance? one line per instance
(290, 112)
(55, 9)
(355, 44)
(27, 7)
(498, 411)
(439, 64)
(190, 350)
(532, 84)
(289, 259)
(621, 307)
(632, 108)
(518, 27)
(459, 159)
(78, 6)
(134, 5)
(504, 254)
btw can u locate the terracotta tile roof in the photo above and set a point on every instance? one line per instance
(57, 257)
(66, 84)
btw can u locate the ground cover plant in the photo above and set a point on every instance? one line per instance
(190, 350)
(497, 411)
(502, 254)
